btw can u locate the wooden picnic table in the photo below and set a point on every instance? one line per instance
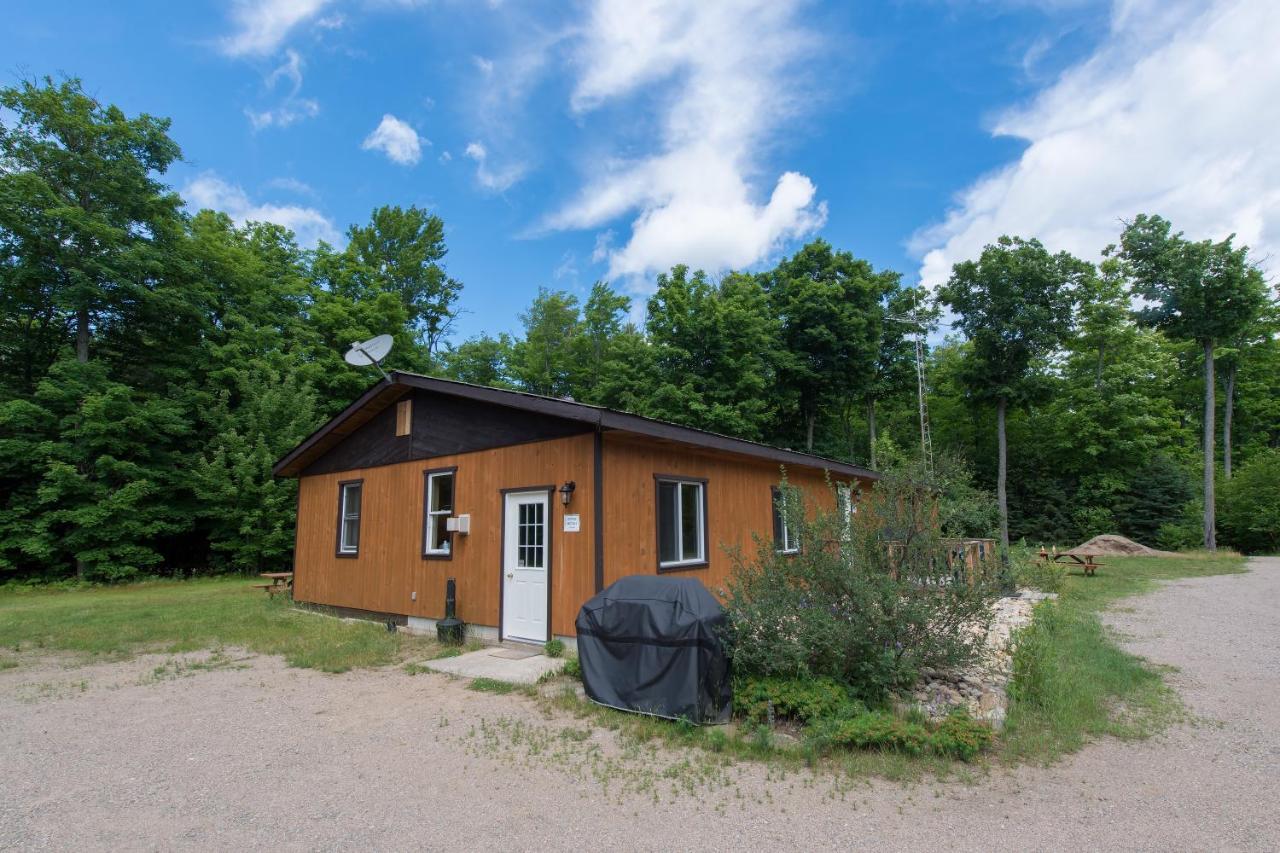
(280, 582)
(1088, 562)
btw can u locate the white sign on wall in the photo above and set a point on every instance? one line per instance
(572, 523)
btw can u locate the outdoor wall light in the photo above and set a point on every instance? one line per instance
(566, 492)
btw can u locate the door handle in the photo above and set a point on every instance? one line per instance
(511, 574)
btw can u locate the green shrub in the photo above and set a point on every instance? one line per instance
(868, 606)
(553, 648)
(1249, 505)
(874, 730)
(1030, 571)
(960, 736)
(573, 668)
(800, 699)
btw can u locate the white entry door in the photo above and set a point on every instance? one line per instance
(525, 560)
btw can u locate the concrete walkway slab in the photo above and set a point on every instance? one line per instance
(491, 663)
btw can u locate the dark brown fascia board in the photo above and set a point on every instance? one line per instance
(582, 412)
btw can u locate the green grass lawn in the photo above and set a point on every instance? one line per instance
(183, 616)
(1072, 680)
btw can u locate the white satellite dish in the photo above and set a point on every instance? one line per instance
(372, 351)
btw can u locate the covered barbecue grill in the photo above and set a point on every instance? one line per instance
(652, 645)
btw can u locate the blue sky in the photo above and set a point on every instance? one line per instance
(568, 142)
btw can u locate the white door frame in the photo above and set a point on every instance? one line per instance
(514, 588)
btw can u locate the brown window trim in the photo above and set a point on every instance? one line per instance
(337, 544)
(426, 496)
(657, 521)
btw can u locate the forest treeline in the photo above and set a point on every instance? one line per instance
(155, 362)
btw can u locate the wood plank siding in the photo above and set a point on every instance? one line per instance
(390, 567)
(738, 496)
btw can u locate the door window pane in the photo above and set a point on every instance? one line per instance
(529, 536)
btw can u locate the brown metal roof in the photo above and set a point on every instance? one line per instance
(399, 383)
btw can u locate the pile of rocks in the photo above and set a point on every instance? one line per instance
(982, 688)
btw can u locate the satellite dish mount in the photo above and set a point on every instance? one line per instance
(372, 351)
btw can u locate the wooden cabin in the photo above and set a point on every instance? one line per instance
(531, 503)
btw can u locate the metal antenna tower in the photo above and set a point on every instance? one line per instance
(922, 391)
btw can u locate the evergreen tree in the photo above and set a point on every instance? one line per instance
(543, 362)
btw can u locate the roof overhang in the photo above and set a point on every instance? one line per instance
(399, 383)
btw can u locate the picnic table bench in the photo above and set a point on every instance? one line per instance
(278, 582)
(1089, 562)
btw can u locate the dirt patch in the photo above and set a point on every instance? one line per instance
(230, 751)
(1111, 545)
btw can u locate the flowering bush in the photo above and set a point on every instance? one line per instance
(868, 600)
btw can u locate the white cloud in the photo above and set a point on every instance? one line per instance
(724, 77)
(396, 139)
(290, 69)
(484, 66)
(495, 180)
(263, 25)
(308, 224)
(1175, 113)
(293, 108)
(292, 185)
(291, 111)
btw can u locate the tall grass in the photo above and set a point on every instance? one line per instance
(182, 616)
(1072, 681)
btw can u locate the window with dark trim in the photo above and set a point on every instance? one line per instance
(349, 500)
(438, 502)
(785, 540)
(682, 523)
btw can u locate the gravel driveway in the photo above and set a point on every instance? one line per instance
(251, 754)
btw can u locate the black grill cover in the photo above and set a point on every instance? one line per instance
(652, 644)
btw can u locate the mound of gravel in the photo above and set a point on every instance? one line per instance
(1112, 545)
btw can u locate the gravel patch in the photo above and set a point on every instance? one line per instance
(233, 751)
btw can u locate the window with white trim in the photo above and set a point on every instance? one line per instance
(349, 517)
(437, 540)
(785, 540)
(844, 501)
(682, 523)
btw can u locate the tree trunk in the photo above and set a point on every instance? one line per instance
(1210, 444)
(808, 435)
(1227, 410)
(871, 425)
(1003, 471)
(82, 335)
